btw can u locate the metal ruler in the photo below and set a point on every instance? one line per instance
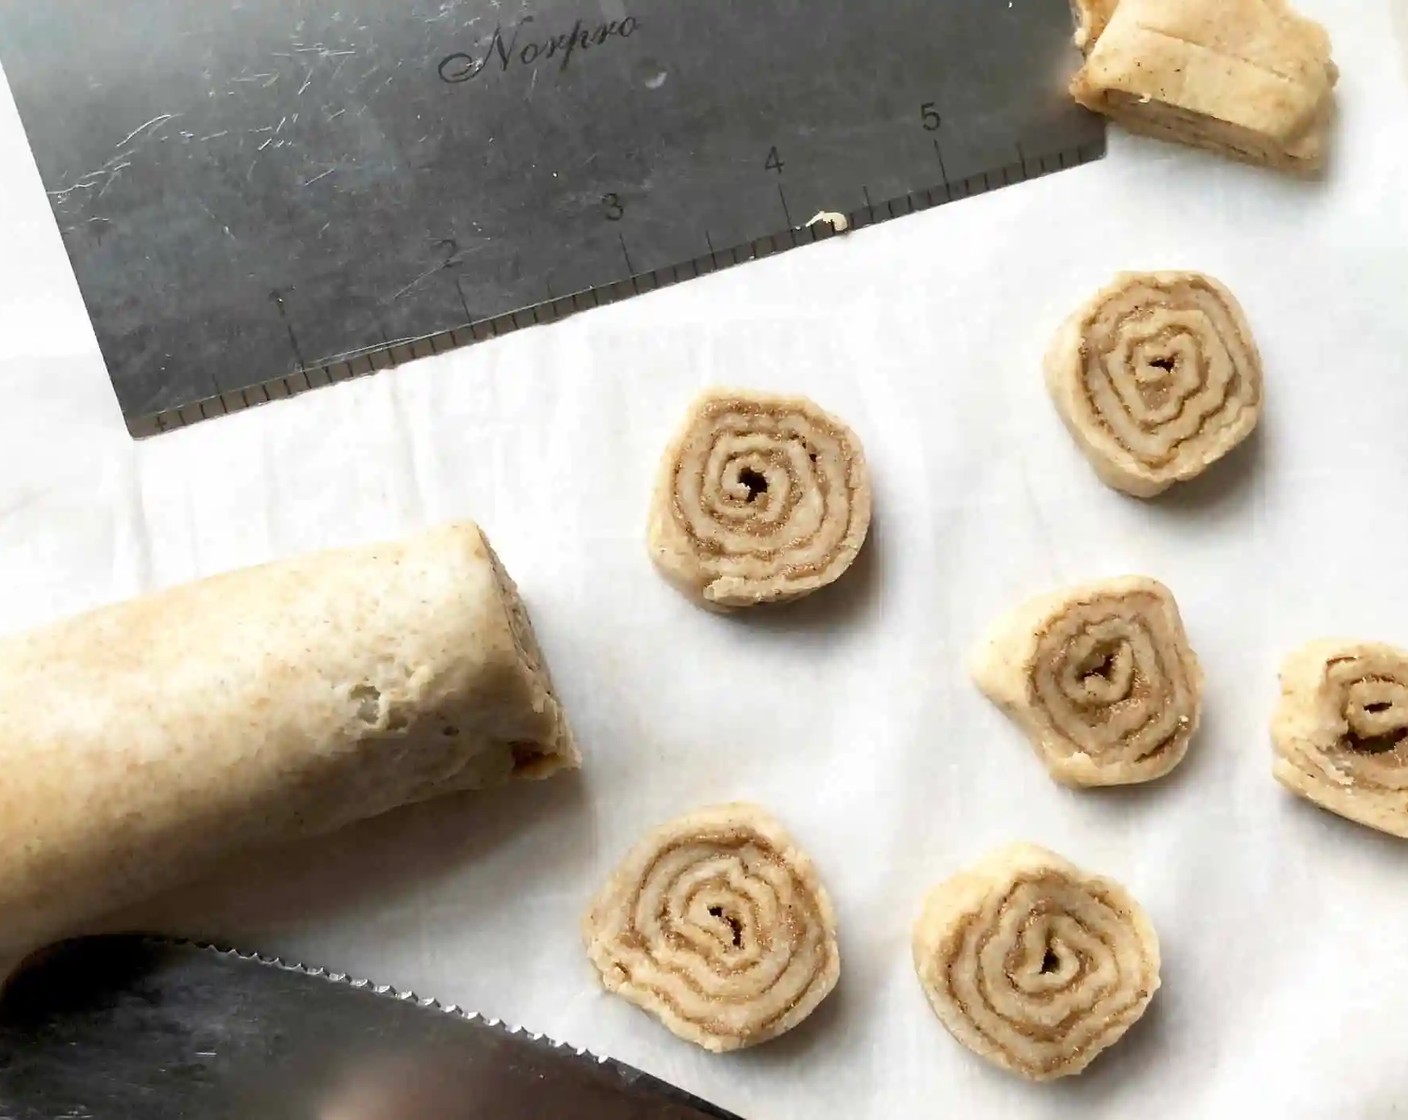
(267, 196)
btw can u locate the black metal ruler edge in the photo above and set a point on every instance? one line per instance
(398, 351)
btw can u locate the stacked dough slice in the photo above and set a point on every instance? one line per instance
(1246, 78)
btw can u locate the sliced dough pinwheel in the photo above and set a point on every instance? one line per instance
(1157, 377)
(1034, 964)
(717, 925)
(1250, 79)
(1100, 677)
(1341, 731)
(761, 499)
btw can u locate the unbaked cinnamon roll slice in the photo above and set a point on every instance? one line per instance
(1157, 377)
(760, 499)
(717, 925)
(1341, 731)
(1100, 677)
(1034, 964)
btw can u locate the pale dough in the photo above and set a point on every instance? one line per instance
(1341, 730)
(1157, 377)
(1100, 677)
(1246, 78)
(760, 499)
(718, 926)
(145, 742)
(1033, 964)
(1091, 18)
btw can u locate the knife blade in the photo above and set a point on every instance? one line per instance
(135, 1028)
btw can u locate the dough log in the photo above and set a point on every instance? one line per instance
(1100, 677)
(1341, 731)
(1033, 964)
(717, 925)
(761, 499)
(1247, 78)
(1157, 377)
(147, 741)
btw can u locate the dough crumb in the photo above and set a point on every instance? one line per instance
(838, 222)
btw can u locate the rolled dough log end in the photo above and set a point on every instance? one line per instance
(145, 742)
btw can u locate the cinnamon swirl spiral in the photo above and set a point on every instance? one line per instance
(1341, 731)
(761, 499)
(717, 925)
(1100, 677)
(1034, 964)
(1157, 377)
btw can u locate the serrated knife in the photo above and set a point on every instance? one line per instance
(131, 1028)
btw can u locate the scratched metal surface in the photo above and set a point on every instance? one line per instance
(132, 1029)
(261, 197)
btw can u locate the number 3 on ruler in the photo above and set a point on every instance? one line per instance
(614, 207)
(774, 161)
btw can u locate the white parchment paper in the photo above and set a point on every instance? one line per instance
(1286, 959)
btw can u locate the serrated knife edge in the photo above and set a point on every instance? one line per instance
(117, 1020)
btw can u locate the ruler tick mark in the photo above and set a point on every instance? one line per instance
(278, 297)
(468, 316)
(942, 169)
(786, 213)
(626, 253)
